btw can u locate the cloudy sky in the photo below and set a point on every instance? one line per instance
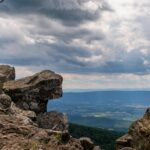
(94, 44)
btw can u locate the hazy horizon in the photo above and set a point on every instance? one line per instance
(111, 89)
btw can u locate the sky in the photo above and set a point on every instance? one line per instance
(93, 44)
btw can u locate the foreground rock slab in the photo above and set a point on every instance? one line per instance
(19, 132)
(33, 92)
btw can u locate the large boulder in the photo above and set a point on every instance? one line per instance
(53, 120)
(97, 148)
(33, 92)
(138, 136)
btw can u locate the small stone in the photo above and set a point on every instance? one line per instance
(87, 143)
(26, 106)
(127, 148)
(33, 106)
(96, 148)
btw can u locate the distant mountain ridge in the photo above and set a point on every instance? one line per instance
(108, 89)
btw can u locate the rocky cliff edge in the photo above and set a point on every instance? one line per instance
(24, 122)
(138, 136)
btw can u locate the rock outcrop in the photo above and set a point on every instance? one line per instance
(138, 136)
(7, 72)
(32, 93)
(24, 122)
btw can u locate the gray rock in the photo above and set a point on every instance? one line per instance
(8, 72)
(2, 80)
(33, 92)
(5, 102)
(53, 120)
(87, 143)
(127, 148)
(138, 136)
(96, 148)
(14, 110)
(124, 141)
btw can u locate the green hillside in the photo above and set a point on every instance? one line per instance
(104, 138)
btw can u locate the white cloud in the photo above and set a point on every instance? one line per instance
(113, 42)
(22, 72)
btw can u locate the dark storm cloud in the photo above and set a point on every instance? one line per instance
(69, 12)
(71, 59)
(45, 33)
